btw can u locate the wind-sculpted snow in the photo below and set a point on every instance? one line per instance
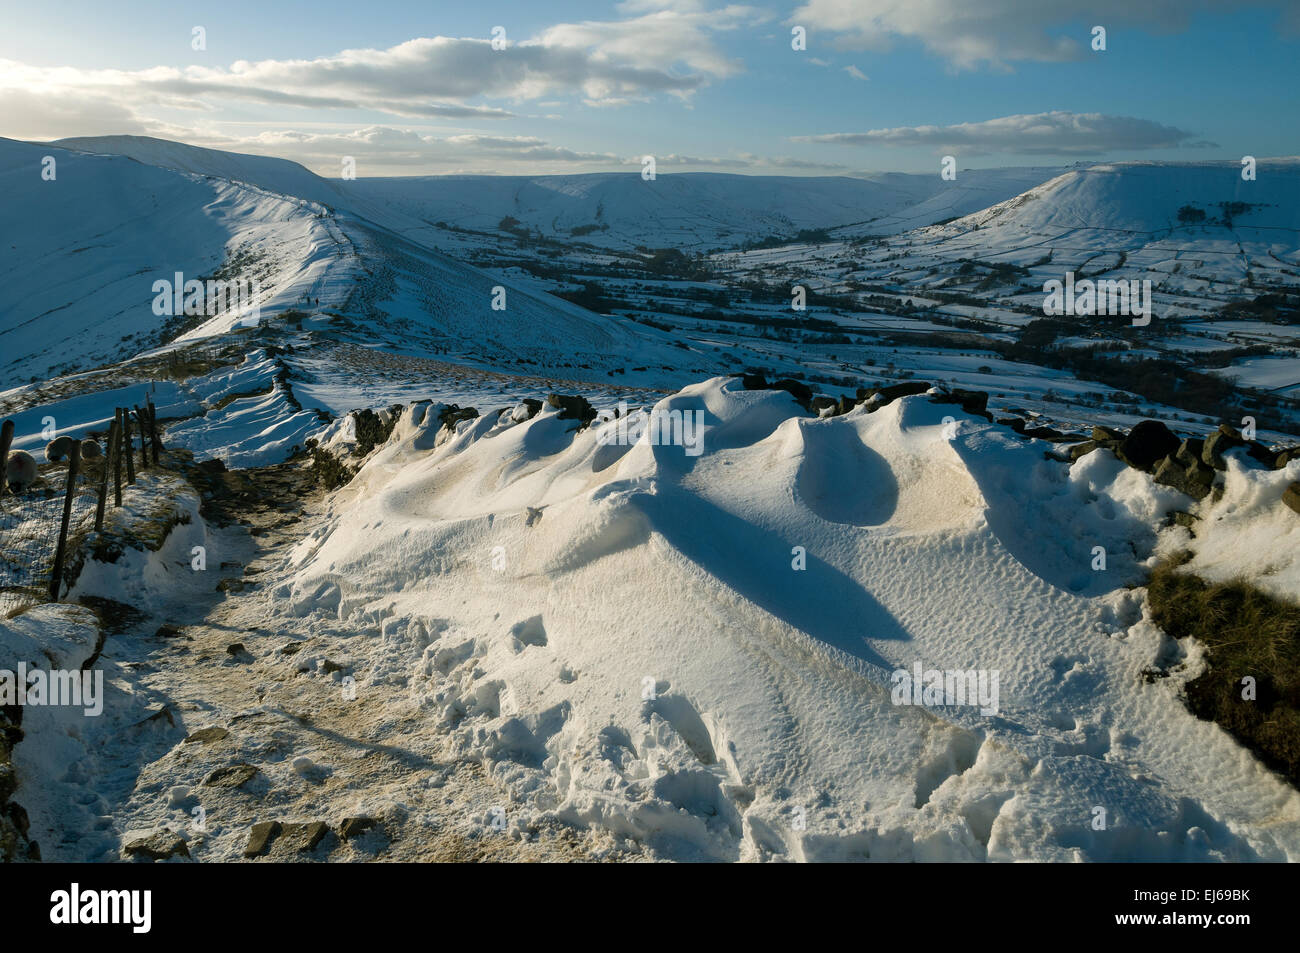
(697, 652)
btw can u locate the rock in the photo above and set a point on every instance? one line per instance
(158, 846)
(1283, 457)
(824, 406)
(1080, 450)
(355, 826)
(1015, 423)
(887, 395)
(231, 776)
(1102, 434)
(236, 648)
(572, 407)
(800, 391)
(454, 414)
(753, 382)
(1218, 443)
(207, 735)
(1195, 480)
(260, 836)
(525, 410)
(1042, 433)
(971, 401)
(329, 667)
(1147, 444)
(292, 648)
(157, 717)
(1182, 518)
(1189, 451)
(1291, 496)
(305, 837)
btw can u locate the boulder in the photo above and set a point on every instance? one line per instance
(572, 407)
(887, 395)
(1261, 454)
(1218, 443)
(1195, 480)
(526, 410)
(1147, 444)
(800, 391)
(231, 776)
(305, 837)
(450, 416)
(355, 826)
(207, 735)
(1291, 496)
(1189, 451)
(1015, 423)
(824, 406)
(1082, 449)
(158, 846)
(1103, 434)
(260, 836)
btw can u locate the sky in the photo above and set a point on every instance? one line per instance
(420, 88)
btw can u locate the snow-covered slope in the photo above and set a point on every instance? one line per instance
(265, 172)
(695, 210)
(83, 250)
(1127, 216)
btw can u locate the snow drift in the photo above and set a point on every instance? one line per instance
(699, 653)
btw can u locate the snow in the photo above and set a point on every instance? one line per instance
(1248, 533)
(681, 656)
(634, 572)
(77, 416)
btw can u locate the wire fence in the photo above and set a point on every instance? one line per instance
(42, 508)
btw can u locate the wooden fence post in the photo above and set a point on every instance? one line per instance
(103, 480)
(56, 573)
(6, 440)
(127, 450)
(117, 457)
(144, 431)
(156, 442)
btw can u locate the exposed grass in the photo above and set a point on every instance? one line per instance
(1246, 632)
(330, 472)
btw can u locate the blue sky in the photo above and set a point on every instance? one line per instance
(883, 84)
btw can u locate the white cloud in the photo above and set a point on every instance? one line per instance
(668, 48)
(969, 33)
(856, 73)
(1050, 133)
